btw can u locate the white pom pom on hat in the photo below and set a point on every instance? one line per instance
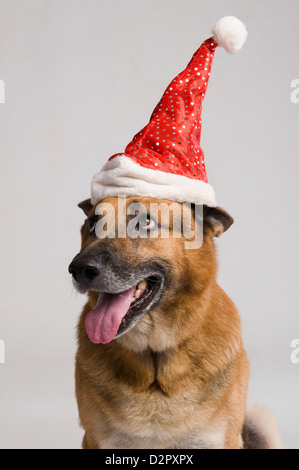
(230, 33)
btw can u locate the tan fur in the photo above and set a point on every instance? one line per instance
(178, 378)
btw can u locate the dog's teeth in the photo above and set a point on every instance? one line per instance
(138, 293)
(141, 285)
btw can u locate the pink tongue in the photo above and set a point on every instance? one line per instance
(103, 321)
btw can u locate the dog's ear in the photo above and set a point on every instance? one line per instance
(217, 220)
(86, 206)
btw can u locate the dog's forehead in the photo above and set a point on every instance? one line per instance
(149, 203)
(165, 210)
(126, 201)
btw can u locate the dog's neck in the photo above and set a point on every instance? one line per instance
(157, 355)
(157, 332)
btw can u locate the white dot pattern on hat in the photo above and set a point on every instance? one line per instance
(170, 142)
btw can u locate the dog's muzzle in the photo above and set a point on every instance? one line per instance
(124, 292)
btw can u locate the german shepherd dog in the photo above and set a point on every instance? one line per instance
(160, 360)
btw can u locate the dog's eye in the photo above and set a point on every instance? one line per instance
(147, 223)
(91, 223)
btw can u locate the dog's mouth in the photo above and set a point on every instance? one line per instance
(115, 313)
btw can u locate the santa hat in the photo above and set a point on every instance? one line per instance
(165, 159)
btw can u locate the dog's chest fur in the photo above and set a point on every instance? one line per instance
(156, 421)
(167, 409)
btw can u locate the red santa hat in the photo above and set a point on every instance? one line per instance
(165, 159)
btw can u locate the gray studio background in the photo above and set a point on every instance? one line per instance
(81, 78)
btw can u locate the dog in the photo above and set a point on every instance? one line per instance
(160, 360)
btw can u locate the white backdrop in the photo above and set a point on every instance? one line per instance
(81, 78)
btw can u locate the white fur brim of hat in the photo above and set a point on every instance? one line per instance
(122, 177)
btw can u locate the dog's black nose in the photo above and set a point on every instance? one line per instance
(84, 269)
